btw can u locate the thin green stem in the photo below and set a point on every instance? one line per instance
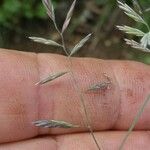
(139, 113)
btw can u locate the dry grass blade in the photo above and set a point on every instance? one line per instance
(49, 8)
(135, 121)
(130, 30)
(80, 44)
(131, 13)
(68, 18)
(54, 124)
(51, 78)
(44, 41)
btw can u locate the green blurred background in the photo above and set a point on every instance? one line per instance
(20, 19)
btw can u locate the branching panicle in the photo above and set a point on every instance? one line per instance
(145, 37)
(55, 123)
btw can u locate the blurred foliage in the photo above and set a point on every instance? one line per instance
(12, 11)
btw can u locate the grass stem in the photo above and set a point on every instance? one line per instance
(77, 88)
(139, 113)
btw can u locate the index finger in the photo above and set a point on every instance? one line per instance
(21, 102)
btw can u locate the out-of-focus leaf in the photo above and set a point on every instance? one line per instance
(69, 15)
(44, 41)
(80, 44)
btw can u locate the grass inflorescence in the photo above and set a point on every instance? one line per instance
(137, 16)
(143, 44)
(57, 123)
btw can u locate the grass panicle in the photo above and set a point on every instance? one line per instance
(50, 11)
(144, 37)
(143, 45)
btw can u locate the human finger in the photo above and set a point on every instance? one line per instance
(21, 102)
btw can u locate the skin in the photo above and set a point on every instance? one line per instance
(111, 110)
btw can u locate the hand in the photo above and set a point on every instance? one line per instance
(111, 110)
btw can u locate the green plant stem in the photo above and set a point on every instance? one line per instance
(86, 121)
(139, 113)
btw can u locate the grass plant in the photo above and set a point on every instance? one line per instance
(143, 44)
(58, 123)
